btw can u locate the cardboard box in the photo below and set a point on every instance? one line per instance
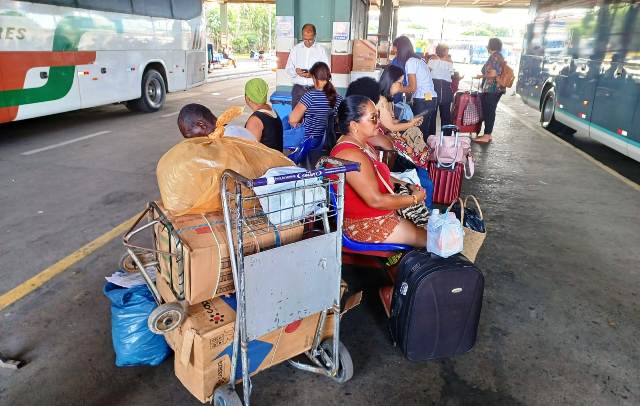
(365, 56)
(203, 344)
(205, 264)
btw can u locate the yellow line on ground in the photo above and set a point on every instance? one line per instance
(43, 277)
(578, 151)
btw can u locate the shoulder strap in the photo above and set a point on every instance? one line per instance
(375, 168)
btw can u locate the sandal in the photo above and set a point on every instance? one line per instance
(483, 139)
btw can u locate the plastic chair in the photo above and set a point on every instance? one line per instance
(383, 250)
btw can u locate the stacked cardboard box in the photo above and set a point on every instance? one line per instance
(205, 262)
(365, 56)
(203, 343)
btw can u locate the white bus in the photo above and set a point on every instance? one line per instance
(62, 55)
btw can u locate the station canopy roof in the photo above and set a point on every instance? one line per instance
(462, 3)
(432, 3)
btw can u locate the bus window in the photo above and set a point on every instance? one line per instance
(186, 9)
(153, 8)
(116, 6)
(68, 3)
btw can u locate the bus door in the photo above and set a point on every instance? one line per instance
(619, 79)
(615, 102)
(575, 92)
(634, 134)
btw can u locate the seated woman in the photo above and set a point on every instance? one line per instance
(370, 206)
(264, 123)
(406, 137)
(315, 105)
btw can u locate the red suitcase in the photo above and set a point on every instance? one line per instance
(460, 102)
(446, 182)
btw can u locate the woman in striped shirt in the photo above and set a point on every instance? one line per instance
(314, 106)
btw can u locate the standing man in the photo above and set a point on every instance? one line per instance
(301, 59)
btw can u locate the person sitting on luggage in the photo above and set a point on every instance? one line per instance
(264, 123)
(315, 105)
(370, 205)
(195, 120)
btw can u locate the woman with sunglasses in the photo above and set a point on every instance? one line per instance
(370, 204)
(406, 136)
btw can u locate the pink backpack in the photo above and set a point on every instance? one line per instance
(447, 150)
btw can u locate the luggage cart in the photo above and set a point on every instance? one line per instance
(168, 315)
(272, 292)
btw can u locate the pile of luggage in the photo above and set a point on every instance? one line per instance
(194, 284)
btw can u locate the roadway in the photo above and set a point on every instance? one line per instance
(559, 322)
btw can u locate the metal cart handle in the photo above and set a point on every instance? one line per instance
(340, 166)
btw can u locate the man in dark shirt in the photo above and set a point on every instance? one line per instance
(195, 120)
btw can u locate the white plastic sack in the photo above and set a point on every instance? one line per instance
(238, 132)
(282, 207)
(445, 236)
(409, 176)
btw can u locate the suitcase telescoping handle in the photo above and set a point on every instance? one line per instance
(471, 89)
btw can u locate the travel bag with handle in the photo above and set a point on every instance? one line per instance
(449, 159)
(473, 222)
(467, 103)
(436, 305)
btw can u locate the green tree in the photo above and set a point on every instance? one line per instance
(248, 26)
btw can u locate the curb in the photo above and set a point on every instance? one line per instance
(219, 78)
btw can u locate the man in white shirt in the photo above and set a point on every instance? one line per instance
(301, 59)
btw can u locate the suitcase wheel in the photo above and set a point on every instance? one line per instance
(225, 396)
(345, 368)
(166, 317)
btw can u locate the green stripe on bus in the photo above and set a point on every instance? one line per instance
(57, 86)
(66, 38)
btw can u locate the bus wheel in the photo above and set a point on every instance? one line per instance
(153, 93)
(548, 115)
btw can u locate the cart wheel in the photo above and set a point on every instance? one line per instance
(126, 262)
(225, 396)
(345, 369)
(166, 317)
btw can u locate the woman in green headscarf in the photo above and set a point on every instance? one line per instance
(264, 123)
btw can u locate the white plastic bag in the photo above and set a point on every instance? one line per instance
(445, 236)
(410, 176)
(283, 208)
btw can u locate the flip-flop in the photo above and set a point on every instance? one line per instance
(482, 141)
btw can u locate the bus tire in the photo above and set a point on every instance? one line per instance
(548, 112)
(153, 93)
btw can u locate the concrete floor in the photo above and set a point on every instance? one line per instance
(560, 317)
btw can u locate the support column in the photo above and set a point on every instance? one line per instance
(224, 25)
(384, 21)
(394, 30)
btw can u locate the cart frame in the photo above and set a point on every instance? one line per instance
(322, 361)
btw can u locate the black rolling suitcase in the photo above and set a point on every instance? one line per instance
(436, 305)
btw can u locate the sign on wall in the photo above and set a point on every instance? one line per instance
(341, 30)
(284, 27)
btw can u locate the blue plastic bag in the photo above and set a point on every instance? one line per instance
(427, 185)
(133, 343)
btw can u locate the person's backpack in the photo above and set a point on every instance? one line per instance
(506, 77)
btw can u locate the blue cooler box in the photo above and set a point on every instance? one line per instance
(281, 103)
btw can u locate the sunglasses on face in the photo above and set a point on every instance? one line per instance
(374, 117)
